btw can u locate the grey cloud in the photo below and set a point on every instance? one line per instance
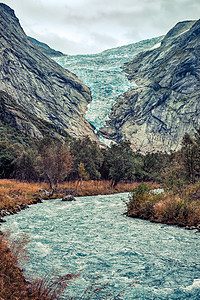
(100, 23)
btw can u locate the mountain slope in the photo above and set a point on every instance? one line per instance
(17, 123)
(103, 74)
(37, 83)
(46, 49)
(164, 104)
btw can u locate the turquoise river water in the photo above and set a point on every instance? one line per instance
(93, 237)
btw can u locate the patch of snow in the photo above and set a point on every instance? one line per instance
(156, 46)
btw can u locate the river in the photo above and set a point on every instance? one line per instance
(93, 237)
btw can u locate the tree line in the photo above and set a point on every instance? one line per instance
(54, 161)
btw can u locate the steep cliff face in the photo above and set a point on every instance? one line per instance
(37, 83)
(164, 104)
(15, 120)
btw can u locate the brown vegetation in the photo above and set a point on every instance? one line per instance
(14, 193)
(13, 285)
(12, 282)
(182, 209)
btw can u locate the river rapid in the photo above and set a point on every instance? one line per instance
(91, 236)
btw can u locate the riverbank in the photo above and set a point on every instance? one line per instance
(27, 192)
(169, 207)
(13, 284)
(92, 235)
(16, 196)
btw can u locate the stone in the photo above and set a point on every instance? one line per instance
(23, 206)
(44, 193)
(4, 213)
(190, 227)
(2, 220)
(69, 198)
(198, 228)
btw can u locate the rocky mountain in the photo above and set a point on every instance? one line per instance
(16, 123)
(102, 73)
(38, 84)
(46, 49)
(164, 103)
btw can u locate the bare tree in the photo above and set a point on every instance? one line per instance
(55, 161)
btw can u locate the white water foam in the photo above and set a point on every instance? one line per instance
(195, 285)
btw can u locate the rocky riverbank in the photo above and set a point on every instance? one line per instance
(16, 196)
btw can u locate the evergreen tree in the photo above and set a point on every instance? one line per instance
(89, 154)
(26, 165)
(121, 161)
(8, 154)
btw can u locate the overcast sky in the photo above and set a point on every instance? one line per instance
(90, 26)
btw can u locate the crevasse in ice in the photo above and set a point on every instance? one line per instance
(103, 74)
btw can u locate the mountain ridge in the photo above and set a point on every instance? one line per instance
(46, 49)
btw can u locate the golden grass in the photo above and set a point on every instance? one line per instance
(13, 192)
(12, 282)
(95, 187)
(181, 209)
(13, 285)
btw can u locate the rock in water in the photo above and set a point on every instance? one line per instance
(68, 198)
(37, 83)
(164, 105)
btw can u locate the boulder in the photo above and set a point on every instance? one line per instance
(2, 220)
(44, 193)
(68, 198)
(190, 227)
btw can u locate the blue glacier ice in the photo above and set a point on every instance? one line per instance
(103, 74)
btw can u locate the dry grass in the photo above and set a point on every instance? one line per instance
(14, 193)
(13, 285)
(12, 282)
(168, 208)
(95, 187)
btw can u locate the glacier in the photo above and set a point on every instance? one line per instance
(103, 74)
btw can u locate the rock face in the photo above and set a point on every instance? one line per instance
(15, 116)
(37, 83)
(164, 104)
(24, 123)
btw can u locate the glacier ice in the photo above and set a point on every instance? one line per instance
(103, 74)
